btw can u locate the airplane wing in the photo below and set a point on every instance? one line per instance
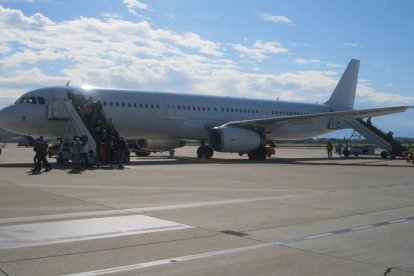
(269, 123)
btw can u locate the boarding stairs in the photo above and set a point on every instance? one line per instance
(80, 127)
(376, 136)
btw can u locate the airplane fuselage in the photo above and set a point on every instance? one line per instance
(154, 115)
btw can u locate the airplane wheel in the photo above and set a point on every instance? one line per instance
(257, 154)
(346, 153)
(205, 151)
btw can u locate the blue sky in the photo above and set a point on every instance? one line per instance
(294, 50)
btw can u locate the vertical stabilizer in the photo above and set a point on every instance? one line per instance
(343, 96)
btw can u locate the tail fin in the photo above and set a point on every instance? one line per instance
(343, 96)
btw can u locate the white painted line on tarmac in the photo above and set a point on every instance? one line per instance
(397, 221)
(362, 227)
(24, 235)
(63, 216)
(318, 236)
(173, 260)
(151, 209)
(172, 207)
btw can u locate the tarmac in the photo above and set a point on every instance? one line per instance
(297, 213)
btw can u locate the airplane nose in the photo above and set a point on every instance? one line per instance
(6, 118)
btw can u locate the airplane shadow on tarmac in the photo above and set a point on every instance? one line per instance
(310, 161)
(176, 160)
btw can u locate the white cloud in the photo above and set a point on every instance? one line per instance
(349, 44)
(279, 19)
(368, 94)
(134, 5)
(206, 16)
(11, 18)
(260, 50)
(303, 61)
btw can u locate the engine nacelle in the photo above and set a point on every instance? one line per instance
(159, 144)
(234, 139)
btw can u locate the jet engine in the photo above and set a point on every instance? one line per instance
(235, 139)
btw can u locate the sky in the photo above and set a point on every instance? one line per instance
(294, 50)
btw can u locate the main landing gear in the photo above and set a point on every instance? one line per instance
(204, 152)
(262, 152)
(258, 154)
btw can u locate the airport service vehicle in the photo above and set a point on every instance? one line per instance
(221, 124)
(358, 150)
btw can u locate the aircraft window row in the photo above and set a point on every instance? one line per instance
(31, 100)
(195, 108)
(203, 108)
(136, 105)
(288, 113)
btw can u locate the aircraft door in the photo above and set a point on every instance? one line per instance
(170, 108)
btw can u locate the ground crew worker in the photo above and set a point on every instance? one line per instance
(410, 153)
(329, 149)
(77, 145)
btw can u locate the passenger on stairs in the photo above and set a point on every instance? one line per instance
(87, 109)
(97, 112)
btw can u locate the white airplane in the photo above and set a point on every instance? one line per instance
(224, 124)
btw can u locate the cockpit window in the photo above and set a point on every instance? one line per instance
(31, 100)
(21, 100)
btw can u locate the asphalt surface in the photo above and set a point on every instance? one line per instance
(298, 213)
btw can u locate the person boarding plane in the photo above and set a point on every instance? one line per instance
(168, 120)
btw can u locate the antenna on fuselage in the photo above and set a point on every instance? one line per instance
(67, 84)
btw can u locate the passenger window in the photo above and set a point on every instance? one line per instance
(152, 105)
(123, 104)
(178, 107)
(111, 104)
(135, 104)
(158, 106)
(129, 104)
(146, 105)
(104, 103)
(116, 104)
(140, 105)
